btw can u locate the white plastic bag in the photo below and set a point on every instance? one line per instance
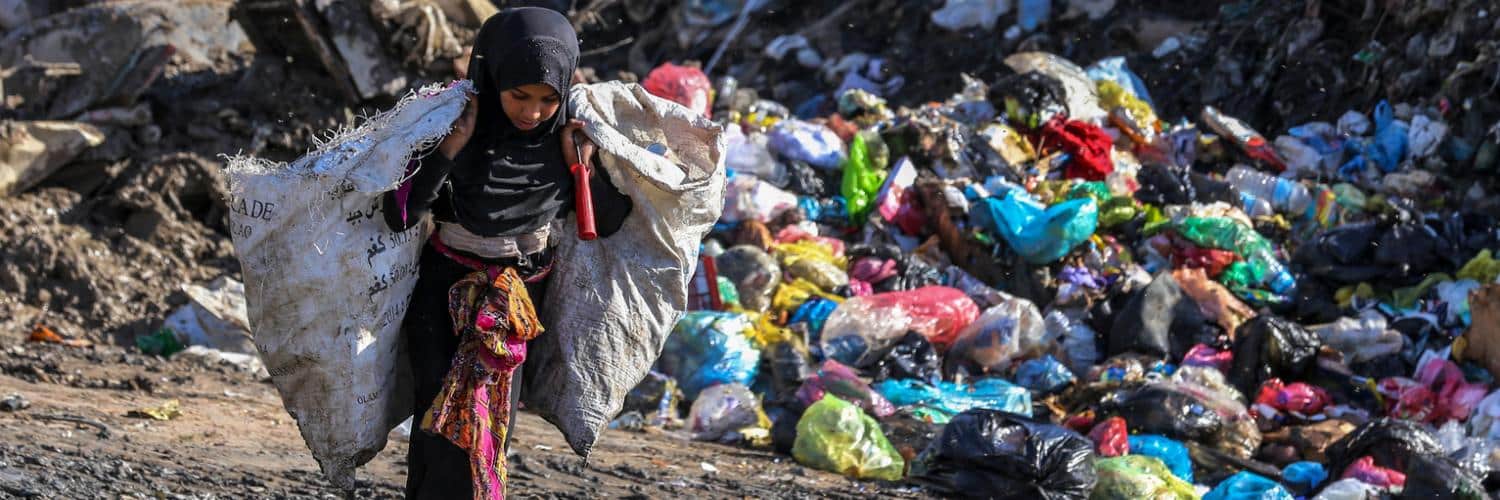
(612, 301)
(327, 283)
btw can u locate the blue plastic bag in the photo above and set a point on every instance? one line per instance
(707, 348)
(1045, 375)
(1385, 149)
(1040, 234)
(807, 142)
(814, 312)
(1171, 453)
(952, 398)
(1248, 486)
(1304, 476)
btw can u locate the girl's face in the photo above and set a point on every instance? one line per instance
(529, 105)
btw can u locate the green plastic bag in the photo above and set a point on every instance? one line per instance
(1138, 476)
(836, 436)
(163, 342)
(861, 181)
(728, 294)
(1228, 234)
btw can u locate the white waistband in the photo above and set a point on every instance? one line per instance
(495, 247)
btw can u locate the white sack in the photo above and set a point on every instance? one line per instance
(327, 283)
(611, 302)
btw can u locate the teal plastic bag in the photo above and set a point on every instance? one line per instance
(952, 398)
(1248, 486)
(1040, 234)
(708, 348)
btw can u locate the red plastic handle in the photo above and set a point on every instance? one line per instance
(583, 202)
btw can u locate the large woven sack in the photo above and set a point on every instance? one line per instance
(611, 302)
(326, 281)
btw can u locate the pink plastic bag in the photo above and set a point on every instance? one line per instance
(1203, 355)
(1456, 398)
(1367, 472)
(1296, 397)
(682, 85)
(937, 312)
(836, 379)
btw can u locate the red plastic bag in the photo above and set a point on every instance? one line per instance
(1408, 399)
(1111, 437)
(1296, 397)
(839, 380)
(1367, 472)
(1456, 397)
(937, 312)
(1088, 144)
(683, 85)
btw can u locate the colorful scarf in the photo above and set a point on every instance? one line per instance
(494, 317)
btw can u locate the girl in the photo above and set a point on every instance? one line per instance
(495, 187)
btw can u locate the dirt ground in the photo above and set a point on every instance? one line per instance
(233, 440)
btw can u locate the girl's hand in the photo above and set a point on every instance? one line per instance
(573, 140)
(463, 129)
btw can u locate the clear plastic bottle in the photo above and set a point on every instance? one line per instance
(1287, 196)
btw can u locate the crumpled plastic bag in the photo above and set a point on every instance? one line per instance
(1271, 346)
(809, 143)
(1483, 336)
(863, 327)
(1080, 92)
(1001, 335)
(836, 379)
(913, 357)
(861, 182)
(836, 436)
(722, 410)
(1129, 477)
(988, 453)
(1079, 345)
(1247, 485)
(683, 85)
(1040, 234)
(1159, 321)
(754, 272)
(954, 398)
(1391, 442)
(1172, 453)
(1045, 375)
(708, 348)
(1162, 409)
(748, 198)
(1349, 489)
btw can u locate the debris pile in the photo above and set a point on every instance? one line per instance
(1112, 249)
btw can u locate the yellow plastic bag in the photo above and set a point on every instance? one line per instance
(836, 436)
(765, 331)
(1482, 268)
(787, 253)
(790, 296)
(1138, 476)
(1112, 95)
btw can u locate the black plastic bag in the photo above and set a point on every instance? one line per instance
(1158, 409)
(909, 434)
(1341, 255)
(1312, 303)
(1030, 99)
(1431, 476)
(1392, 442)
(790, 364)
(1163, 185)
(805, 180)
(913, 357)
(1271, 346)
(995, 454)
(784, 415)
(1160, 321)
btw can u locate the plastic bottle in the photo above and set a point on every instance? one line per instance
(1285, 195)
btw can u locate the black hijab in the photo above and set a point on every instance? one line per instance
(507, 181)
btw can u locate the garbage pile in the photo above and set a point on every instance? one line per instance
(1041, 284)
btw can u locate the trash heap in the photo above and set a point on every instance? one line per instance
(1042, 285)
